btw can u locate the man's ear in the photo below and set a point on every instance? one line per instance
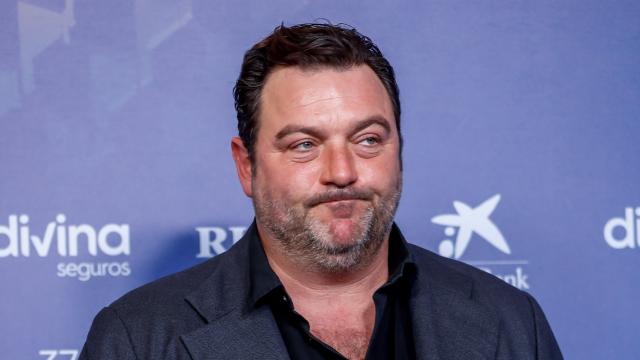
(243, 164)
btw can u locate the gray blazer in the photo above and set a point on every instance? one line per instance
(458, 312)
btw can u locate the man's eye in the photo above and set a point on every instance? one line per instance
(304, 146)
(370, 141)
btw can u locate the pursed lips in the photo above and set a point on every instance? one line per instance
(335, 200)
(342, 208)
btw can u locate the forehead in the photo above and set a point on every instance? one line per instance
(293, 94)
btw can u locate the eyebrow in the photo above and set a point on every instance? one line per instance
(314, 131)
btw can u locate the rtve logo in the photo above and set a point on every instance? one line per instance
(630, 224)
(468, 221)
(212, 239)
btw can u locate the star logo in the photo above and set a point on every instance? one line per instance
(469, 221)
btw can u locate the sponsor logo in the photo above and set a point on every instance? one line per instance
(628, 236)
(66, 238)
(17, 239)
(62, 354)
(85, 271)
(213, 240)
(469, 221)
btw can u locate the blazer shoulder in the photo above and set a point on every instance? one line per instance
(484, 287)
(146, 323)
(169, 292)
(525, 331)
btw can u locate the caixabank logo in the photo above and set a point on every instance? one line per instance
(469, 224)
(71, 243)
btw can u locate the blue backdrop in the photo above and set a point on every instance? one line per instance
(115, 169)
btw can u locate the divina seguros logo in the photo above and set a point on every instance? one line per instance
(468, 221)
(17, 239)
(629, 224)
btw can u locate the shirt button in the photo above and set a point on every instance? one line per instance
(284, 298)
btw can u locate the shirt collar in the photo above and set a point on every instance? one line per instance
(263, 281)
(261, 277)
(401, 262)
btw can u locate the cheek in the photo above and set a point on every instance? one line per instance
(380, 173)
(291, 181)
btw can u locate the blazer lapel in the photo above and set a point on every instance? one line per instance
(447, 323)
(232, 336)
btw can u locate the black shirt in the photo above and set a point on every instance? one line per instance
(392, 336)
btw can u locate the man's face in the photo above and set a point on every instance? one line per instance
(326, 179)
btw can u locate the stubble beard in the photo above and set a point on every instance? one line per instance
(309, 242)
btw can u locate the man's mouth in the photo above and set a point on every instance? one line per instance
(340, 198)
(337, 202)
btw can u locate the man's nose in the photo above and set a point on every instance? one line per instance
(339, 168)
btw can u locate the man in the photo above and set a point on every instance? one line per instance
(323, 273)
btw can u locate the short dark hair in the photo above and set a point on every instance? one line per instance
(308, 46)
